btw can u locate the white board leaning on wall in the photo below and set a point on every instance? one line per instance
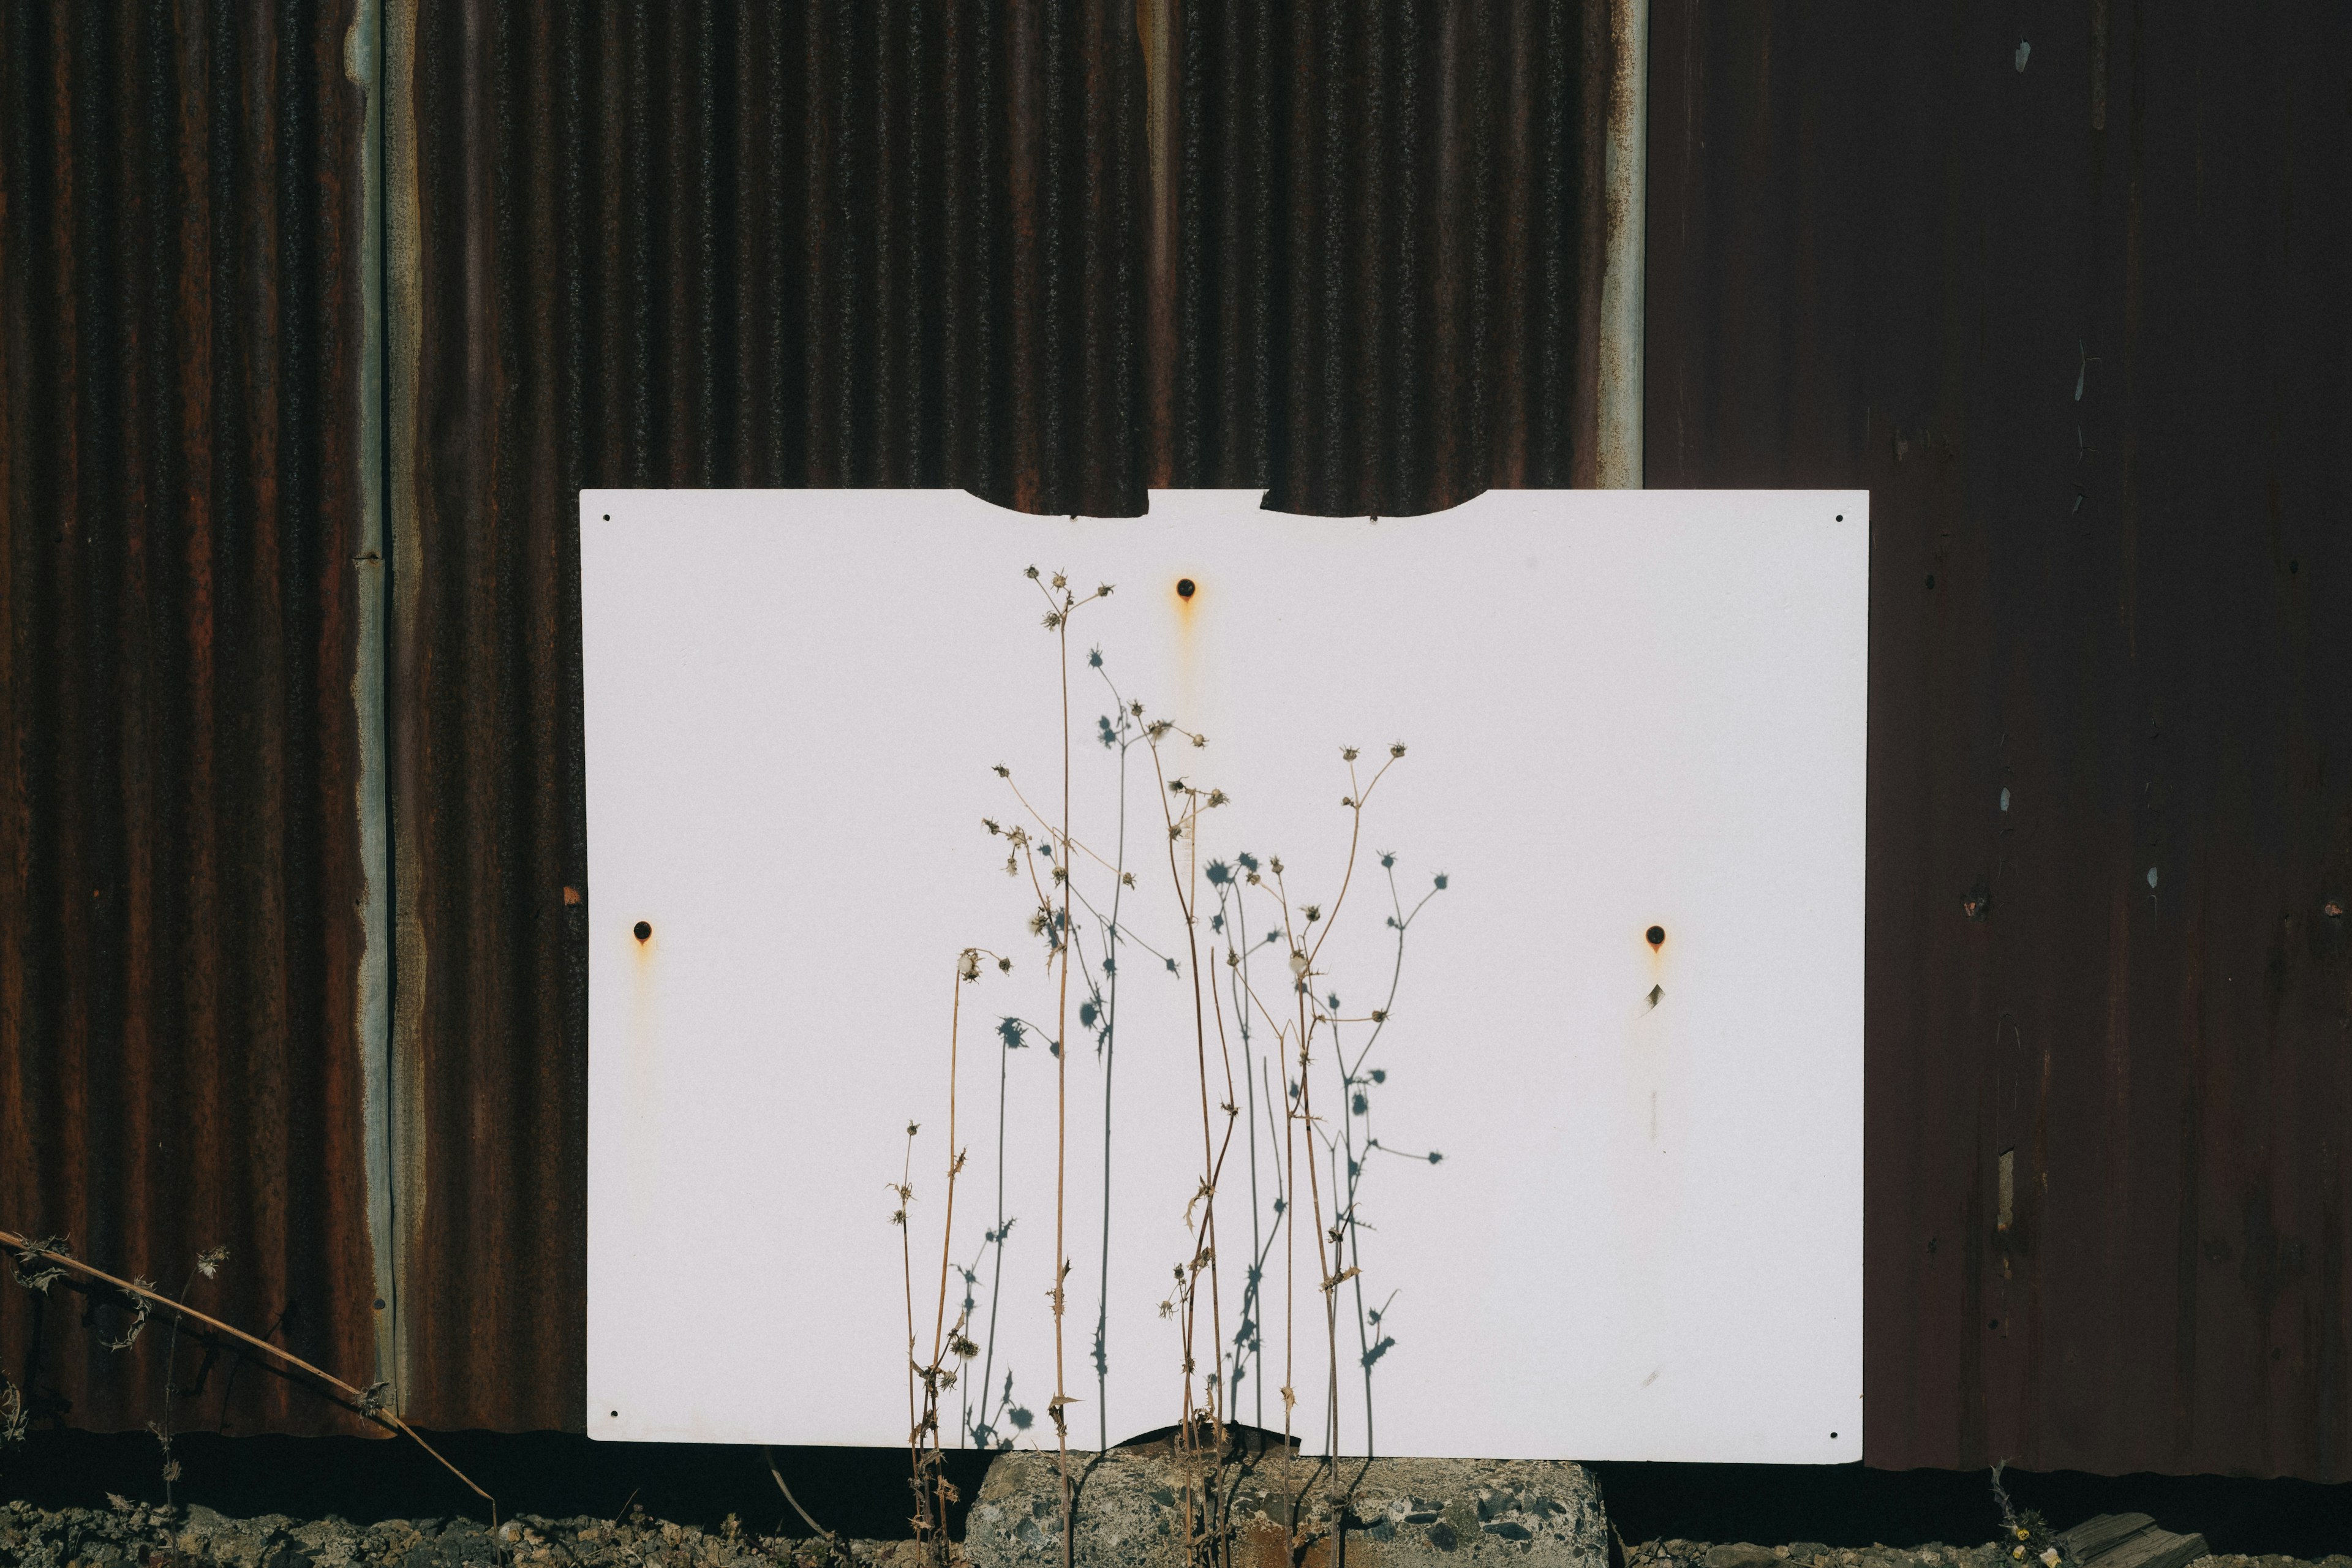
(1604, 1154)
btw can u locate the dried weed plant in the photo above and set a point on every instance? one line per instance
(1310, 1034)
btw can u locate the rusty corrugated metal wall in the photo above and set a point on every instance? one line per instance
(1379, 262)
(181, 883)
(2069, 304)
(710, 244)
(2066, 290)
(898, 244)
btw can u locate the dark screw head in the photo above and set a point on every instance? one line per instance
(1184, 587)
(644, 930)
(1656, 936)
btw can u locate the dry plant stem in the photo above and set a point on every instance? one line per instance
(1186, 882)
(905, 1190)
(23, 1247)
(1062, 1107)
(833, 1545)
(955, 1163)
(932, 1493)
(171, 1370)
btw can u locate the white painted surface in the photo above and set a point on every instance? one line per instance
(1627, 709)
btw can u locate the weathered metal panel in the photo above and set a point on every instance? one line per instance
(180, 868)
(1387, 249)
(2067, 294)
(848, 243)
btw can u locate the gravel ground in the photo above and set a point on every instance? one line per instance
(138, 1535)
(1812, 1555)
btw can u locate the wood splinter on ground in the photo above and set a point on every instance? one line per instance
(2129, 1541)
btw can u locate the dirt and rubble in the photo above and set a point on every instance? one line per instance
(1935, 1554)
(148, 1535)
(145, 1535)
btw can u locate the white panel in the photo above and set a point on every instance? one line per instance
(1623, 710)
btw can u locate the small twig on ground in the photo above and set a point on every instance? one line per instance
(832, 1541)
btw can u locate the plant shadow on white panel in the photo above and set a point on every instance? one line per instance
(1409, 973)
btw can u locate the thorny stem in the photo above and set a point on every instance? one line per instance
(25, 1248)
(170, 1372)
(933, 1493)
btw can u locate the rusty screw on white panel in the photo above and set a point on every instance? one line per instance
(644, 930)
(1655, 936)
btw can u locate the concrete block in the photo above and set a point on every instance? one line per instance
(1393, 1514)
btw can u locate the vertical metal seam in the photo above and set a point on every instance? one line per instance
(363, 64)
(1626, 158)
(402, 325)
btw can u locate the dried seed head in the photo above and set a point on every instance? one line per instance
(1060, 581)
(208, 1262)
(1297, 963)
(1397, 750)
(1348, 754)
(1031, 573)
(968, 965)
(33, 1271)
(1053, 620)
